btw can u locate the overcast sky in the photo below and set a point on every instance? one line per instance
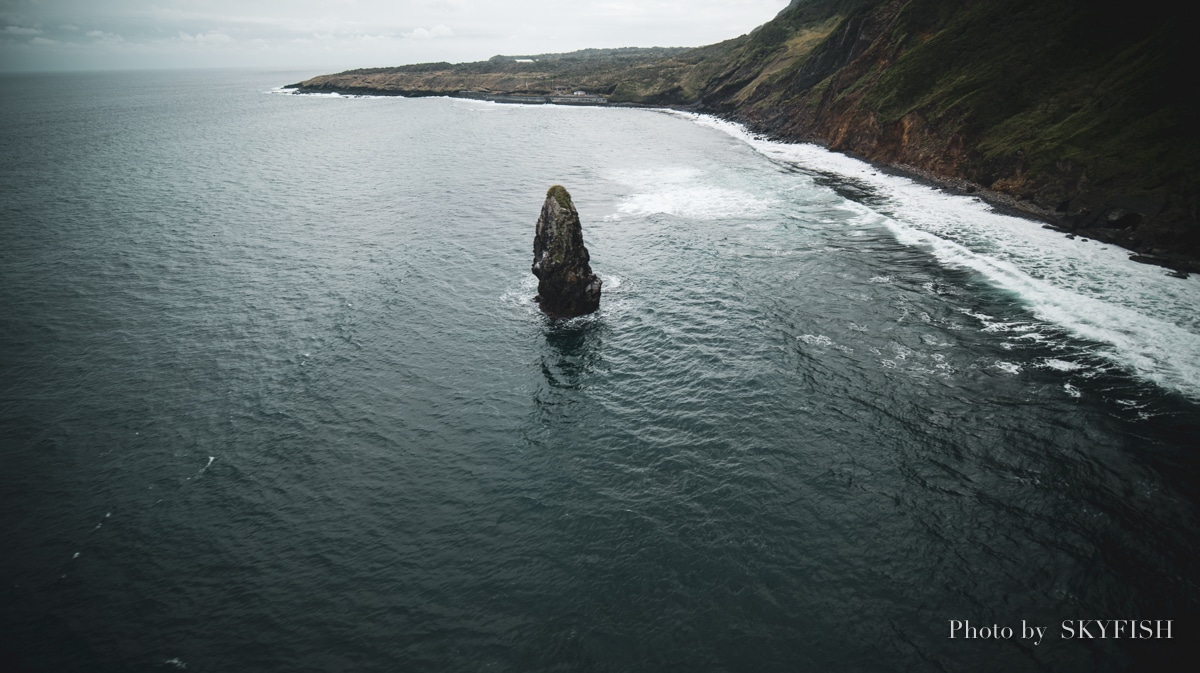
(339, 34)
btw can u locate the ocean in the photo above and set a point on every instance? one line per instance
(275, 396)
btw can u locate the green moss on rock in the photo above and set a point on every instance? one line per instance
(560, 195)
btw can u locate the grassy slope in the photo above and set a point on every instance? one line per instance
(655, 76)
(595, 70)
(1062, 104)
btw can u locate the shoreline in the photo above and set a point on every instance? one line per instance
(1179, 265)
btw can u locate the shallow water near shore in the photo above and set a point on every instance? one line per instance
(276, 397)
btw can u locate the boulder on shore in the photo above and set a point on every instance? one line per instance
(566, 285)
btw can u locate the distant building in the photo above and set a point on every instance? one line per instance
(580, 93)
(523, 60)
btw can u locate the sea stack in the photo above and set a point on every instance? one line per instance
(566, 285)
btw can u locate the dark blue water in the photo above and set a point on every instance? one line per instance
(274, 397)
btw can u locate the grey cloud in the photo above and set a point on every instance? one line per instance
(336, 34)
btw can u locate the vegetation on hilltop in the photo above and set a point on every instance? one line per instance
(1067, 106)
(596, 70)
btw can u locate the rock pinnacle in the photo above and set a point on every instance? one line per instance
(566, 285)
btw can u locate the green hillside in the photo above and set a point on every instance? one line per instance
(1072, 109)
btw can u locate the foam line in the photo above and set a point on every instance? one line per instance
(1146, 320)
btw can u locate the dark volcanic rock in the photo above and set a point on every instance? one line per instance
(567, 287)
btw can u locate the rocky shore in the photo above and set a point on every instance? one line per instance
(1095, 228)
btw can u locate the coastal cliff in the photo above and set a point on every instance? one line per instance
(1062, 110)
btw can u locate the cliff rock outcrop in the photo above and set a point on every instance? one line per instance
(566, 285)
